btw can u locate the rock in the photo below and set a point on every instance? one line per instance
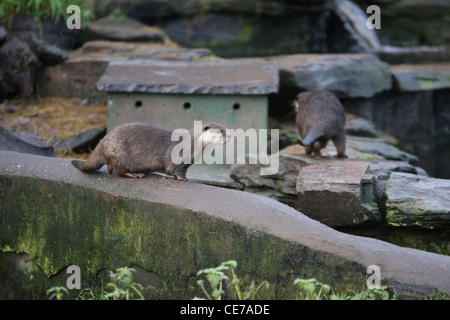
(2, 36)
(421, 77)
(373, 147)
(179, 54)
(78, 76)
(73, 79)
(355, 126)
(417, 201)
(441, 110)
(11, 141)
(363, 148)
(387, 111)
(378, 155)
(173, 229)
(347, 75)
(21, 60)
(179, 77)
(48, 55)
(414, 54)
(239, 29)
(280, 186)
(82, 142)
(124, 29)
(338, 193)
(408, 23)
(353, 20)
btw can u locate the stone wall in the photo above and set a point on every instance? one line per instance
(52, 216)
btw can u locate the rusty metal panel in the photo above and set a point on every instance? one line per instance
(180, 110)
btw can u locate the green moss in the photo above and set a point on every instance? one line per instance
(60, 224)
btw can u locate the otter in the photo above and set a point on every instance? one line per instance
(320, 117)
(135, 148)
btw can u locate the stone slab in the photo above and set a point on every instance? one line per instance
(11, 141)
(347, 75)
(124, 29)
(338, 193)
(172, 229)
(77, 77)
(180, 77)
(421, 77)
(417, 201)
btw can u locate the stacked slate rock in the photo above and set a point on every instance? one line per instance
(21, 59)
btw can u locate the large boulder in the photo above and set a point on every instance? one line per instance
(168, 229)
(347, 75)
(354, 75)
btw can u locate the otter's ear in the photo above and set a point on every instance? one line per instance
(206, 127)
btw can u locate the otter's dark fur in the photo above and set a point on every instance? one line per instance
(135, 148)
(320, 117)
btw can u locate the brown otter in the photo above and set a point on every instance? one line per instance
(320, 117)
(135, 148)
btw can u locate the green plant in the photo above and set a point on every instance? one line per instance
(311, 289)
(88, 294)
(41, 9)
(218, 279)
(381, 293)
(57, 292)
(437, 296)
(123, 285)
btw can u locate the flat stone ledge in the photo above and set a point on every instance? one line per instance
(338, 193)
(421, 77)
(175, 228)
(417, 201)
(347, 75)
(180, 77)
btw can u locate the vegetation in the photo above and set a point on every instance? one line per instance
(222, 282)
(308, 289)
(41, 9)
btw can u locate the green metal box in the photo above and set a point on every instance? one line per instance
(174, 94)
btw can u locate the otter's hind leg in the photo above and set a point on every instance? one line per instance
(339, 143)
(124, 173)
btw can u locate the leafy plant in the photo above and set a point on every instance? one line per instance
(311, 289)
(218, 279)
(381, 293)
(88, 294)
(123, 285)
(41, 9)
(57, 292)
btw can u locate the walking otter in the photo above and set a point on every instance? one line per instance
(135, 148)
(320, 117)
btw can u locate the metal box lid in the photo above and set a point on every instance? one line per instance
(197, 77)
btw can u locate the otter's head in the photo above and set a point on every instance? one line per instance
(214, 133)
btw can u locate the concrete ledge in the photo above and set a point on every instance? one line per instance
(60, 216)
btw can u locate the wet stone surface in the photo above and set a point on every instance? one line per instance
(209, 77)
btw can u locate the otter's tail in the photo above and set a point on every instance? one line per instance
(314, 134)
(94, 162)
